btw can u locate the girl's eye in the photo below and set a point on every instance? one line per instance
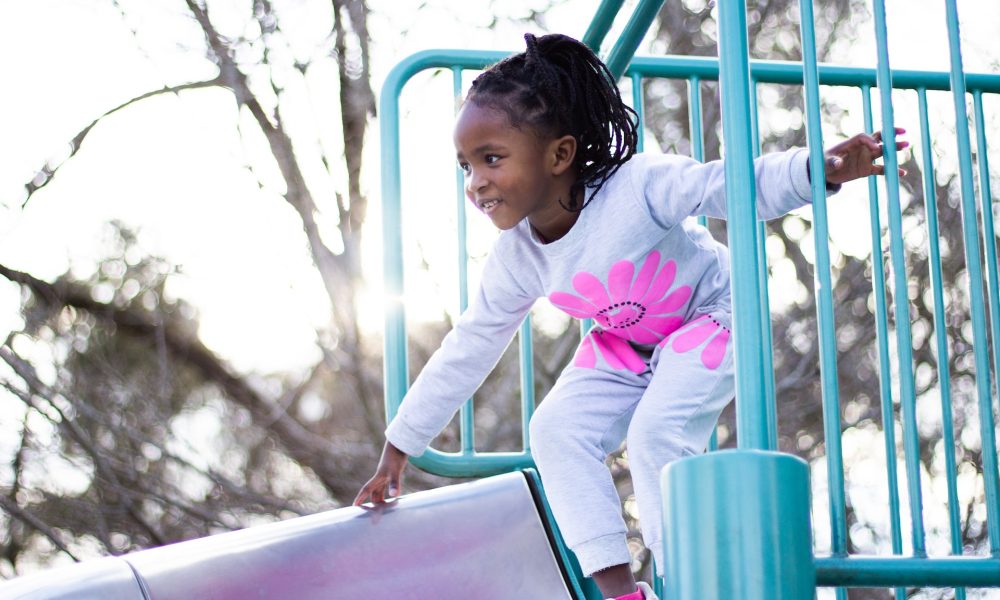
(464, 167)
(491, 158)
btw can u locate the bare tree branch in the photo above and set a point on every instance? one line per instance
(29, 519)
(47, 172)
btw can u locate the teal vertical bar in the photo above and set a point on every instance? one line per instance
(694, 123)
(989, 237)
(467, 428)
(904, 342)
(601, 24)
(767, 342)
(882, 339)
(940, 330)
(637, 105)
(638, 24)
(394, 359)
(824, 289)
(698, 153)
(526, 350)
(741, 193)
(970, 231)
(460, 219)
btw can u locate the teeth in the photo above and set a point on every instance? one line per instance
(489, 204)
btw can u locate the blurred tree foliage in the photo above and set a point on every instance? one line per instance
(157, 439)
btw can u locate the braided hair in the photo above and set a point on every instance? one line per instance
(558, 86)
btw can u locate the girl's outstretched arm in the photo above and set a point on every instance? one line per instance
(388, 479)
(854, 158)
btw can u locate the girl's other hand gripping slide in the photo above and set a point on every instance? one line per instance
(855, 158)
(388, 479)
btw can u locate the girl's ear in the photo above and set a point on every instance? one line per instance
(562, 152)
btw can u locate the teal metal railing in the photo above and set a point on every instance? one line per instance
(739, 78)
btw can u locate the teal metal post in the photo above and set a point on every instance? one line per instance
(741, 192)
(467, 430)
(526, 354)
(882, 337)
(940, 335)
(973, 266)
(766, 339)
(698, 153)
(737, 527)
(824, 291)
(636, 28)
(989, 234)
(601, 24)
(736, 523)
(904, 340)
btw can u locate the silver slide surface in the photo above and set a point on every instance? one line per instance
(482, 540)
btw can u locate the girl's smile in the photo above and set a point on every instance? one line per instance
(512, 173)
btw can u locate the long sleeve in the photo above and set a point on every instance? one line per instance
(676, 187)
(466, 356)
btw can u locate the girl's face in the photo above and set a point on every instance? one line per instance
(512, 174)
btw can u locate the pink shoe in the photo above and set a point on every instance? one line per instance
(647, 592)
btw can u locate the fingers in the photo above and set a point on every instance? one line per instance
(880, 149)
(363, 495)
(378, 491)
(371, 491)
(878, 134)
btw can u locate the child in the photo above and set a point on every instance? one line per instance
(547, 147)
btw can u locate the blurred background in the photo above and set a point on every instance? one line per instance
(190, 258)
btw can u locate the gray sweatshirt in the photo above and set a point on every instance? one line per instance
(634, 262)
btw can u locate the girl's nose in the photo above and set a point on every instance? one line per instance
(474, 182)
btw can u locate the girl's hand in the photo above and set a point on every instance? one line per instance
(854, 158)
(388, 478)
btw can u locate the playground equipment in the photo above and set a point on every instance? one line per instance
(702, 503)
(737, 522)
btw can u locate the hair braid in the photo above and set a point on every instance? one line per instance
(560, 87)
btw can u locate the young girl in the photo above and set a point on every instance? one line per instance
(547, 147)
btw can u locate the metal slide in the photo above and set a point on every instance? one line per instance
(483, 540)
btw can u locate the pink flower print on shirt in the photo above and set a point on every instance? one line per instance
(634, 307)
(615, 351)
(695, 334)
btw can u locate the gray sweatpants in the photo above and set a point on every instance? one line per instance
(663, 413)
